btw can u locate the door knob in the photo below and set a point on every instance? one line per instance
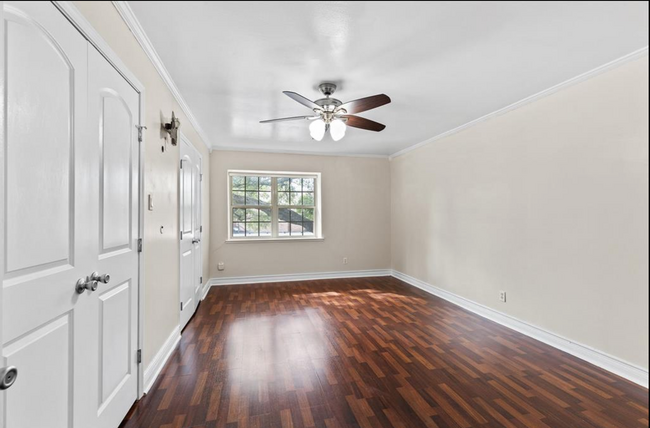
(195, 241)
(8, 376)
(84, 284)
(95, 276)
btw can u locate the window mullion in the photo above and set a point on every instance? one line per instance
(274, 207)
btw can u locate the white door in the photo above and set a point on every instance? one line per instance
(75, 352)
(48, 241)
(190, 230)
(113, 110)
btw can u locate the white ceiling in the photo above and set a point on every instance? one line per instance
(443, 63)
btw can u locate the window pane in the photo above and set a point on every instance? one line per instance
(252, 229)
(252, 183)
(283, 214)
(308, 198)
(283, 198)
(252, 215)
(238, 229)
(296, 229)
(265, 198)
(308, 184)
(308, 228)
(265, 215)
(283, 184)
(265, 229)
(238, 182)
(238, 215)
(296, 198)
(308, 214)
(283, 228)
(296, 184)
(296, 215)
(265, 184)
(238, 198)
(252, 198)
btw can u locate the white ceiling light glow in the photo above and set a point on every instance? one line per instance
(337, 129)
(317, 129)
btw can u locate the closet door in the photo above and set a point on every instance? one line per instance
(113, 111)
(48, 239)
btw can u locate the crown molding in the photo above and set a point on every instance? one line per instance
(133, 24)
(553, 89)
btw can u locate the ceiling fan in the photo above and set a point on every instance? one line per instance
(334, 116)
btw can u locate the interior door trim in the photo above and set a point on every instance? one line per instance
(72, 14)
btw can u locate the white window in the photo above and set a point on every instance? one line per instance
(273, 205)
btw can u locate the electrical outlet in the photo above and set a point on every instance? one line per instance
(221, 266)
(502, 296)
(345, 260)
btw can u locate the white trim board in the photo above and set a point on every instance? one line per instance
(133, 24)
(160, 359)
(546, 92)
(234, 280)
(607, 362)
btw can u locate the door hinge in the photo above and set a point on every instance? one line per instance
(201, 280)
(139, 245)
(139, 356)
(201, 177)
(140, 128)
(181, 306)
(201, 229)
(181, 163)
(181, 234)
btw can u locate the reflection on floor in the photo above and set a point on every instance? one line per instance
(371, 352)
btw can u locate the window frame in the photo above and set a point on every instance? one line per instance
(275, 236)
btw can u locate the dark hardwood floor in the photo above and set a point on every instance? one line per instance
(371, 352)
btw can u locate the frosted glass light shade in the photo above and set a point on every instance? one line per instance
(317, 129)
(337, 129)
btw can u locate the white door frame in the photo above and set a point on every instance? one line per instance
(2, 185)
(197, 297)
(94, 38)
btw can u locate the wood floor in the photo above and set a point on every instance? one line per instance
(371, 352)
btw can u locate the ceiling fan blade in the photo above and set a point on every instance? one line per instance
(363, 123)
(364, 104)
(284, 119)
(302, 100)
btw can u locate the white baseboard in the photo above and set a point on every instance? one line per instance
(155, 367)
(612, 364)
(206, 288)
(233, 280)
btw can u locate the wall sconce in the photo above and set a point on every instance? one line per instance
(172, 129)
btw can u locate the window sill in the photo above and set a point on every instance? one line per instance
(274, 240)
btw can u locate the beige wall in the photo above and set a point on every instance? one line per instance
(548, 202)
(161, 255)
(356, 217)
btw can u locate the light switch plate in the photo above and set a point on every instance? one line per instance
(150, 201)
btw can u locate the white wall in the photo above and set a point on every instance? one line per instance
(548, 202)
(161, 256)
(356, 217)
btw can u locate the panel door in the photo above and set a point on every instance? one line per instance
(113, 110)
(48, 246)
(190, 234)
(197, 211)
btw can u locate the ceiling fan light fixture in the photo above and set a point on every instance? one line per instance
(317, 129)
(337, 129)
